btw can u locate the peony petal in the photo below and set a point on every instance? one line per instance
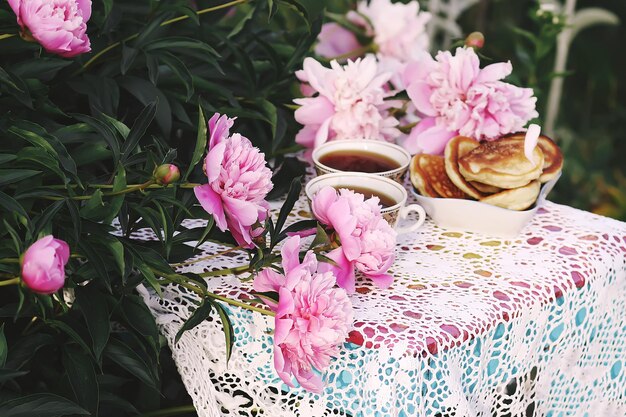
(290, 253)
(282, 329)
(313, 110)
(420, 92)
(382, 281)
(282, 366)
(85, 8)
(214, 161)
(212, 203)
(428, 137)
(494, 72)
(343, 271)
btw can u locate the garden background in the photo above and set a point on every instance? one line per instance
(111, 117)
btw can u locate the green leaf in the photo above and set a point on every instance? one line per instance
(10, 176)
(149, 276)
(138, 130)
(242, 23)
(321, 237)
(300, 9)
(67, 329)
(181, 45)
(129, 55)
(37, 156)
(292, 197)
(43, 68)
(227, 326)
(198, 316)
(40, 405)
(72, 208)
(139, 317)
(25, 348)
(9, 374)
(11, 205)
(122, 129)
(181, 71)
(82, 378)
(46, 217)
(93, 210)
(94, 308)
(4, 349)
(269, 111)
(146, 93)
(106, 133)
(201, 143)
(5, 157)
(124, 356)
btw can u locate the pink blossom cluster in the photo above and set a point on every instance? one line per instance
(454, 96)
(349, 103)
(60, 26)
(398, 31)
(367, 241)
(313, 317)
(239, 181)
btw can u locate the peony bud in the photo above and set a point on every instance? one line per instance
(43, 265)
(166, 174)
(475, 40)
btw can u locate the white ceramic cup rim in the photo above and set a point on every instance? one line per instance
(372, 181)
(363, 145)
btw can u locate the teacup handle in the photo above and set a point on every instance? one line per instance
(404, 212)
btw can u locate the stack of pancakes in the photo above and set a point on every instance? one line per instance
(496, 172)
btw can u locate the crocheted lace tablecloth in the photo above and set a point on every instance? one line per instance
(472, 326)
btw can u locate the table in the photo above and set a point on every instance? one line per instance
(472, 326)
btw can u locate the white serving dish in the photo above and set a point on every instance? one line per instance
(474, 216)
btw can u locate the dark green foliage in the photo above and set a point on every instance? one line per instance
(79, 139)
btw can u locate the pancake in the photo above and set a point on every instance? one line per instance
(433, 166)
(485, 188)
(552, 158)
(456, 148)
(418, 178)
(516, 199)
(501, 163)
(552, 155)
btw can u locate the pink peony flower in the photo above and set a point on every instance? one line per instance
(335, 40)
(349, 105)
(455, 97)
(367, 241)
(60, 26)
(312, 320)
(239, 180)
(398, 30)
(43, 265)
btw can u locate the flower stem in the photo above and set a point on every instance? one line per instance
(167, 22)
(182, 185)
(355, 53)
(7, 35)
(206, 258)
(169, 412)
(240, 304)
(236, 270)
(177, 279)
(130, 189)
(407, 128)
(9, 261)
(11, 281)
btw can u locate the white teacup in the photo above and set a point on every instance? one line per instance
(378, 185)
(387, 150)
